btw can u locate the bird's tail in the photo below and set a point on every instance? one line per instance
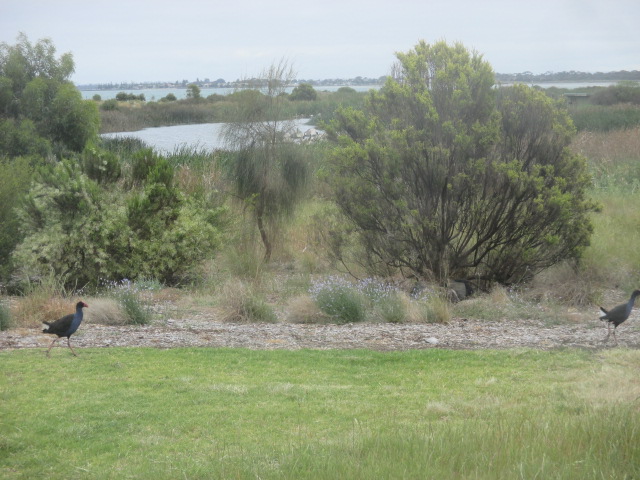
(46, 327)
(604, 314)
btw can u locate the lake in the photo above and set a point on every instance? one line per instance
(205, 136)
(155, 94)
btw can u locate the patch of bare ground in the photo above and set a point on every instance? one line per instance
(174, 326)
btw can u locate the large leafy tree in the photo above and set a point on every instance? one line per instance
(269, 172)
(443, 175)
(39, 106)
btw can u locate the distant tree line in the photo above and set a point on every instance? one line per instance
(570, 76)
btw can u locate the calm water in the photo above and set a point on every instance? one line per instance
(205, 136)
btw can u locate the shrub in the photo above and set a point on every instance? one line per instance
(303, 92)
(109, 105)
(392, 309)
(622, 93)
(127, 294)
(101, 165)
(339, 299)
(78, 228)
(444, 176)
(6, 321)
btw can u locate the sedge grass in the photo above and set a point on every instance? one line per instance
(233, 413)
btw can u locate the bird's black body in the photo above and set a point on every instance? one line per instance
(65, 326)
(617, 315)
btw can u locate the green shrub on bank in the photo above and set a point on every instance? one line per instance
(83, 230)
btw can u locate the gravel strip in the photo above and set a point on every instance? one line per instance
(201, 330)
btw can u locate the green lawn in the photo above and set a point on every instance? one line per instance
(234, 413)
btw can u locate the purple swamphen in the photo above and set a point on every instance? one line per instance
(618, 315)
(65, 326)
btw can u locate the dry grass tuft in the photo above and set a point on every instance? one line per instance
(499, 296)
(303, 309)
(415, 311)
(437, 309)
(606, 149)
(30, 311)
(565, 285)
(240, 303)
(105, 311)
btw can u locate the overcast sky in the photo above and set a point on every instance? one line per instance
(148, 40)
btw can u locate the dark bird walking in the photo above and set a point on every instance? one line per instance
(618, 315)
(65, 326)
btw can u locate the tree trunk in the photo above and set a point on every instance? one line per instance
(263, 233)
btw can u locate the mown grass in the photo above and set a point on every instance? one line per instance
(232, 413)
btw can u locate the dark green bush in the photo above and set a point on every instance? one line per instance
(304, 92)
(101, 165)
(343, 302)
(6, 322)
(14, 184)
(109, 105)
(77, 229)
(124, 97)
(622, 93)
(141, 164)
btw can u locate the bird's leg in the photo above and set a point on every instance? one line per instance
(69, 343)
(614, 336)
(608, 332)
(51, 346)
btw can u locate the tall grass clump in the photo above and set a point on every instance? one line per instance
(241, 302)
(45, 299)
(598, 118)
(339, 299)
(437, 308)
(128, 295)
(388, 304)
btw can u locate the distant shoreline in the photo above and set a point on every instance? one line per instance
(523, 77)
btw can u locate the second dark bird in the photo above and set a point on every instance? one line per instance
(618, 315)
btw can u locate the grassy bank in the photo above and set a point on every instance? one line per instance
(136, 115)
(204, 413)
